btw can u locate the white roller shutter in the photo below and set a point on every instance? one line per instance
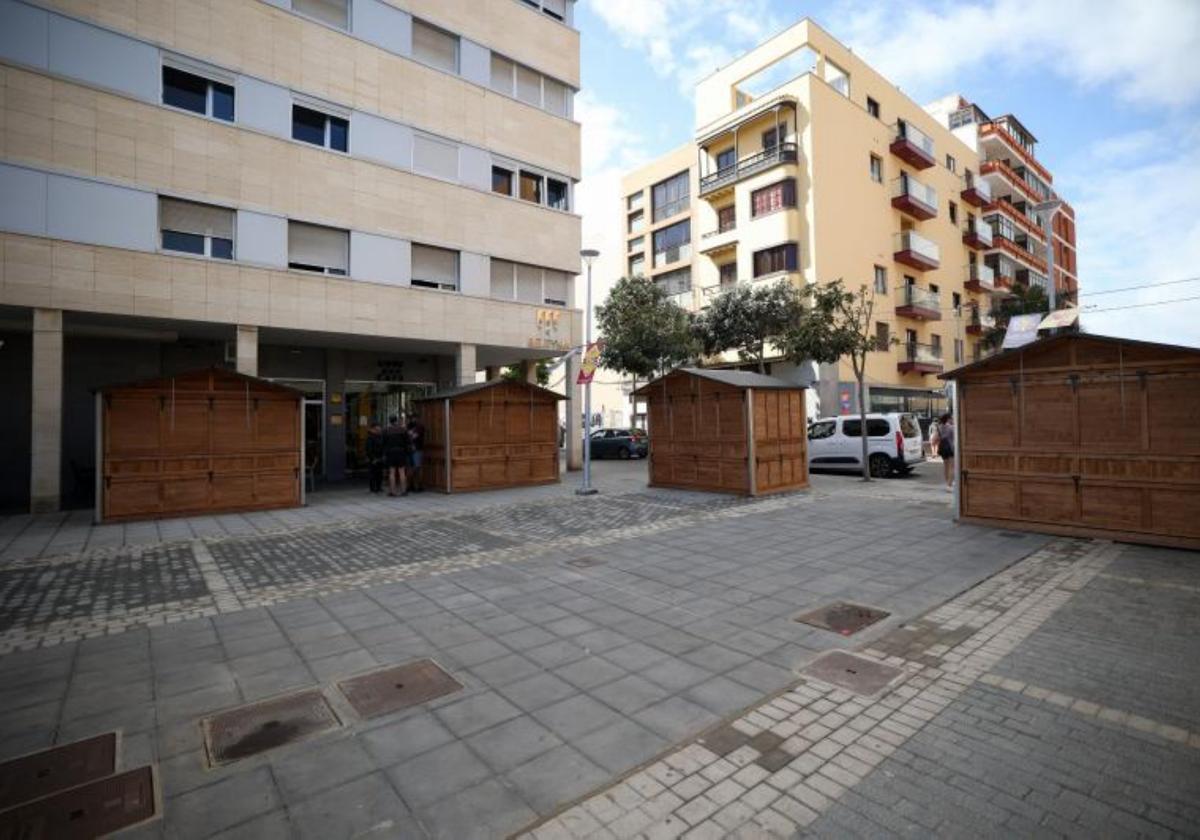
(529, 283)
(435, 157)
(529, 86)
(435, 265)
(502, 279)
(315, 245)
(435, 47)
(332, 12)
(555, 291)
(502, 74)
(556, 97)
(190, 217)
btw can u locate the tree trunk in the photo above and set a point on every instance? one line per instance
(862, 412)
(633, 403)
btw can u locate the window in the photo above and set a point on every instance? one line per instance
(956, 300)
(502, 77)
(191, 228)
(197, 94)
(675, 282)
(320, 129)
(837, 78)
(316, 248)
(529, 283)
(637, 244)
(883, 337)
(772, 198)
(876, 169)
(951, 163)
(726, 159)
(726, 218)
(502, 180)
(958, 351)
(434, 46)
(728, 274)
(775, 260)
(556, 9)
(435, 157)
(637, 266)
(556, 194)
(880, 280)
(333, 12)
(529, 86)
(531, 187)
(771, 138)
(434, 268)
(634, 202)
(673, 243)
(935, 344)
(637, 222)
(554, 287)
(503, 279)
(555, 97)
(953, 213)
(671, 197)
(872, 107)
(875, 428)
(822, 430)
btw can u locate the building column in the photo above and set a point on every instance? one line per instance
(45, 450)
(491, 372)
(529, 371)
(335, 415)
(464, 365)
(574, 414)
(247, 350)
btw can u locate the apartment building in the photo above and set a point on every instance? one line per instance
(808, 166)
(363, 199)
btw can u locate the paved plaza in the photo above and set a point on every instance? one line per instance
(630, 666)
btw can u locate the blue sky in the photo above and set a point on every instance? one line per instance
(1111, 89)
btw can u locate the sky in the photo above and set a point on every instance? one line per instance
(1111, 89)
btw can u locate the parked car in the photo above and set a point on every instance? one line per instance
(619, 443)
(894, 444)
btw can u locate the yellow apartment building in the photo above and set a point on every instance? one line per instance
(363, 199)
(808, 166)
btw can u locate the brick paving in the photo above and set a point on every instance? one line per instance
(653, 689)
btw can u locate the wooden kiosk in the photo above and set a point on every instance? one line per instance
(490, 435)
(205, 441)
(726, 431)
(1083, 435)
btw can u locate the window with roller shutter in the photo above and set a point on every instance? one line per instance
(434, 268)
(192, 228)
(318, 248)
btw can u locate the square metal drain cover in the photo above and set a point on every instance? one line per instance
(58, 768)
(392, 689)
(854, 673)
(585, 562)
(90, 810)
(249, 730)
(842, 617)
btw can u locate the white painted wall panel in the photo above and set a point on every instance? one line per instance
(96, 56)
(383, 25)
(475, 274)
(380, 259)
(262, 239)
(475, 168)
(22, 200)
(264, 106)
(101, 214)
(381, 140)
(24, 34)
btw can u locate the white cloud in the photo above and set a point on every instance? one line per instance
(1146, 51)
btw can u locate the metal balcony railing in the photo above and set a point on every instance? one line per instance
(981, 231)
(782, 153)
(909, 187)
(979, 185)
(910, 240)
(914, 135)
(922, 354)
(916, 296)
(981, 275)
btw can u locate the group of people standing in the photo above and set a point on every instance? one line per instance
(398, 449)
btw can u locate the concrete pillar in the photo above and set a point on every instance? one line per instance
(464, 364)
(491, 372)
(247, 350)
(335, 415)
(45, 448)
(529, 371)
(574, 415)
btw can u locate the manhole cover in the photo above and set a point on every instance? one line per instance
(393, 689)
(846, 619)
(40, 774)
(90, 810)
(249, 730)
(853, 673)
(585, 562)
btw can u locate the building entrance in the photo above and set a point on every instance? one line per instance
(370, 402)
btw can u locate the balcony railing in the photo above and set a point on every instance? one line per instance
(980, 322)
(921, 358)
(980, 278)
(673, 255)
(914, 198)
(976, 191)
(978, 235)
(916, 251)
(921, 304)
(782, 153)
(913, 146)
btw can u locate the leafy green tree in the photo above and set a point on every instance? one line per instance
(516, 374)
(1025, 300)
(838, 324)
(746, 318)
(643, 330)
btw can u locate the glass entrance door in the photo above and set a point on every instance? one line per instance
(314, 420)
(374, 402)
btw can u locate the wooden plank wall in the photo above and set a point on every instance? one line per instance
(698, 436)
(780, 440)
(1087, 438)
(204, 444)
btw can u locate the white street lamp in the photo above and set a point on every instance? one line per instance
(587, 489)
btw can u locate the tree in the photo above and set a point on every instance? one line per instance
(1025, 300)
(746, 318)
(516, 374)
(837, 324)
(644, 331)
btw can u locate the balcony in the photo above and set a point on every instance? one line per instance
(716, 242)
(980, 279)
(913, 146)
(915, 251)
(977, 192)
(730, 175)
(993, 133)
(977, 235)
(980, 322)
(920, 358)
(910, 196)
(918, 304)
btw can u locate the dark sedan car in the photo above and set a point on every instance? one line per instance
(619, 443)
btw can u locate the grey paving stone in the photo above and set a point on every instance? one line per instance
(212, 808)
(675, 718)
(365, 806)
(555, 778)
(398, 740)
(722, 695)
(300, 773)
(675, 674)
(512, 743)
(488, 811)
(589, 672)
(472, 714)
(537, 691)
(630, 693)
(762, 676)
(620, 746)
(557, 653)
(576, 716)
(506, 669)
(438, 773)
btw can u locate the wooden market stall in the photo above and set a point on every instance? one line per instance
(726, 431)
(1083, 435)
(489, 435)
(205, 441)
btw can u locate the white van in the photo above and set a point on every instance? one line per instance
(894, 444)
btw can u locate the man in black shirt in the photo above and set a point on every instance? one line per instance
(375, 457)
(416, 436)
(396, 448)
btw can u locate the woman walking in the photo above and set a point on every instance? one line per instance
(945, 432)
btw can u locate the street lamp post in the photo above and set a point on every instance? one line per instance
(587, 489)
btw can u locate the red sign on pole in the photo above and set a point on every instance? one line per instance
(591, 361)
